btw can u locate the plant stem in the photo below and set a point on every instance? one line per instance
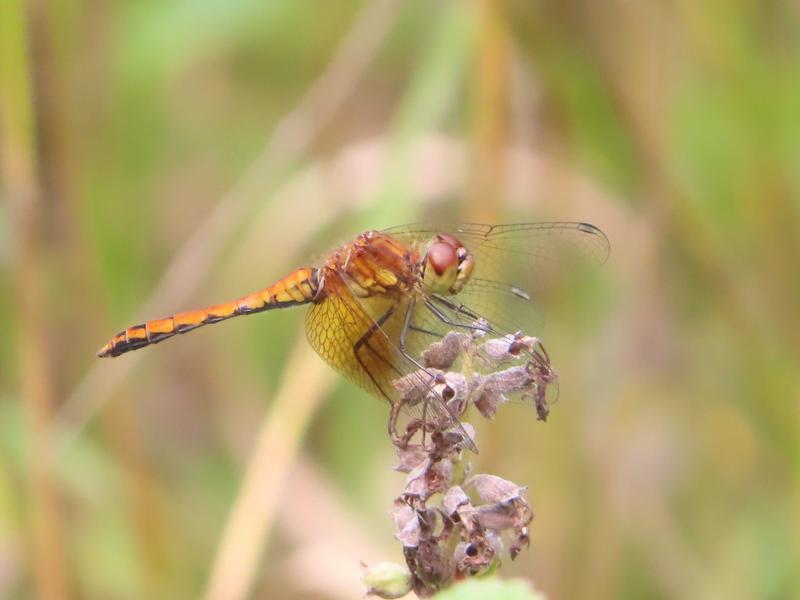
(22, 190)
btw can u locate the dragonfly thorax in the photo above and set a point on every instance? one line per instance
(374, 264)
(447, 266)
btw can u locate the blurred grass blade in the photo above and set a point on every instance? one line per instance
(305, 385)
(21, 189)
(429, 100)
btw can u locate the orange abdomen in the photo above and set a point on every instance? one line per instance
(299, 287)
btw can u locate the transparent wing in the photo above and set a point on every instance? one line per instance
(541, 242)
(515, 265)
(360, 337)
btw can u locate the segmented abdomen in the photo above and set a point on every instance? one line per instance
(299, 287)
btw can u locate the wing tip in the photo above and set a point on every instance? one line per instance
(600, 235)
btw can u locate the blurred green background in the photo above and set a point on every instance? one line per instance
(160, 156)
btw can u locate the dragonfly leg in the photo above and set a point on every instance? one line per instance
(363, 342)
(396, 407)
(445, 319)
(402, 441)
(442, 403)
(406, 324)
(402, 346)
(425, 331)
(459, 308)
(402, 341)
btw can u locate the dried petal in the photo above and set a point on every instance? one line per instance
(457, 383)
(440, 475)
(522, 342)
(406, 523)
(502, 516)
(521, 540)
(498, 350)
(488, 398)
(413, 388)
(417, 480)
(508, 381)
(454, 499)
(409, 389)
(442, 354)
(491, 488)
(410, 457)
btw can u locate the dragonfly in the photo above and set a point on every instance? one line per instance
(378, 301)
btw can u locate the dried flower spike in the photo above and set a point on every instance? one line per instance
(462, 534)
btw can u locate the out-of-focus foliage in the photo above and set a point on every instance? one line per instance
(491, 589)
(669, 466)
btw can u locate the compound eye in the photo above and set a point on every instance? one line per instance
(442, 257)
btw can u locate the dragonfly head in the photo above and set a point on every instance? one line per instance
(448, 265)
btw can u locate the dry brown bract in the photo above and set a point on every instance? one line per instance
(463, 533)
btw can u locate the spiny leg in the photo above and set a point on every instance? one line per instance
(452, 418)
(363, 342)
(445, 319)
(459, 308)
(426, 331)
(538, 356)
(402, 345)
(396, 407)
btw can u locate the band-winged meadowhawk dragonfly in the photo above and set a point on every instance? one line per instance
(379, 301)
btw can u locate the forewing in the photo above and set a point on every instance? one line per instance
(541, 242)
(515, 264)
